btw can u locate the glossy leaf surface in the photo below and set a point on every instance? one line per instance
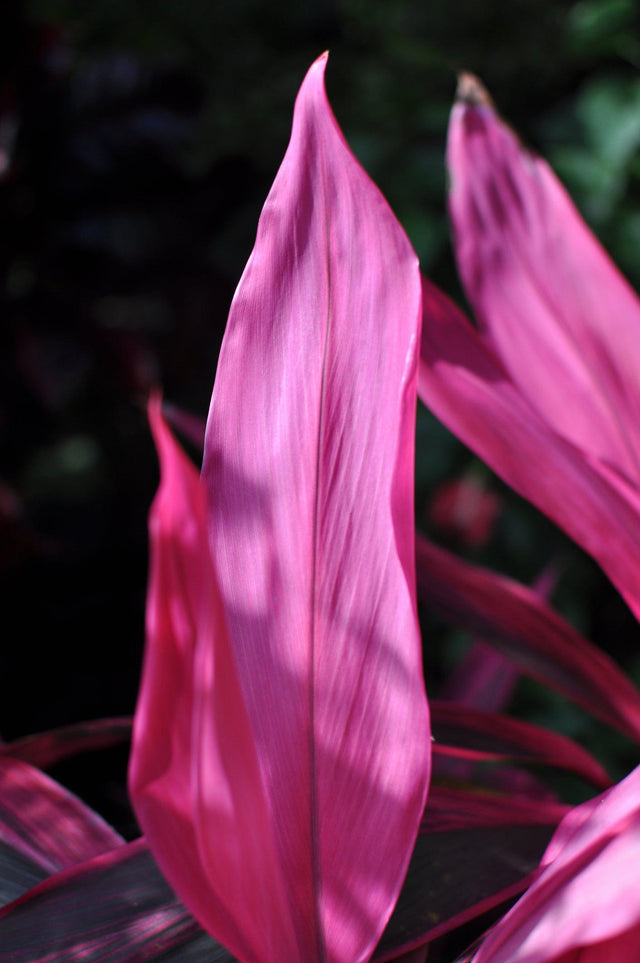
(309, 472)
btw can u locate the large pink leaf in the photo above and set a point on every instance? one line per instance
(470, 733)
(309, 467)
(43, 828)
(524, 628)
(465, 385)
(563, 320)
(585, 903)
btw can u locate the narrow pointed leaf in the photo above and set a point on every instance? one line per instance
(523, 627)
(45, 749)
(465, 385)
(188, 659)
(585, 900)
(489, 735)
(448, 809)
(484, 679)
(560, 315)
(115, 907)
(43, 828)
(309, 465)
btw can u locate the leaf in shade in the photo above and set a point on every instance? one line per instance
(309, 481)
(115, 907)
(466, 386)
(456, 875)
(43, 828)
(484, 679)
(523, 627)
(494, 736)
(449, 809)
(45, 749)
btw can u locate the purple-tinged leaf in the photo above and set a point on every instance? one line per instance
(524, 628)
(489, 735)
(309, 474)
(484, 679)
(191, 426)
(45, 749)
(456, 875)
(43, 828)
(465, 385)
(46, 822)
(448, 809)
(115, 907)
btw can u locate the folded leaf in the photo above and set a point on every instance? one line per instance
(43, 828)
(309, 466)
(489, 735)
(585, 902)
(523, 627)
(115, 907)
(559, 314)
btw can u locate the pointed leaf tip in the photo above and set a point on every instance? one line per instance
(309, 467)
(471, 91)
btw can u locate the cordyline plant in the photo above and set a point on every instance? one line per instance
(282, 743)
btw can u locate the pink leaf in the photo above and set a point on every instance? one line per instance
(309, 472)
(559, 314)
(465, 385)
(489, 735)
(523, 627)
(585, 901)
(45, 823)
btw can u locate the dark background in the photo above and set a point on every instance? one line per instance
(137, 144)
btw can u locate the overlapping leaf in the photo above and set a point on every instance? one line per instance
(523, 627)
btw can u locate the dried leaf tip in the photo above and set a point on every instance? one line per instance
(472, 91)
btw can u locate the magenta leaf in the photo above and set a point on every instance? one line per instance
(466, 386)
(265, 824)
(45, 749)
(115, 907)
(584, 902)
(548, 298)
(515, 620)
(490, 735)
